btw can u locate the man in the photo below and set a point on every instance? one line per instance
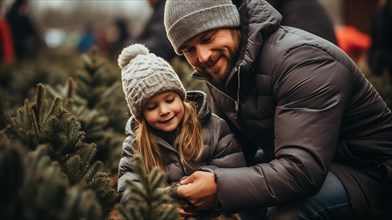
(325, 132)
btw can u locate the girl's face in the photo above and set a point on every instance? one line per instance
(164, 111)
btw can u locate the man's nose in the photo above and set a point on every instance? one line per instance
(203, 53)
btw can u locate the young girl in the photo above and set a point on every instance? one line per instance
(171, 128)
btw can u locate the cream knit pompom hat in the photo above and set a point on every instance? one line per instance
(144, 75)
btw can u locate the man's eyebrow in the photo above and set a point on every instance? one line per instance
(198, 37)
(182, 47)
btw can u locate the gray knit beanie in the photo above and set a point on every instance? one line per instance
(144, 75)
(185, 19)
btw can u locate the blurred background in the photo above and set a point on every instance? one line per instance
(75, 25)
(62, 22)
(68, 49)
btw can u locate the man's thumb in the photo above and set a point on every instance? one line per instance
(187, 180)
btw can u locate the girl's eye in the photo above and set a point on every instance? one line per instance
(150, 107)
(170, 100)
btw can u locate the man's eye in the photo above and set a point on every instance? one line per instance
(207, 39)
(188, 50)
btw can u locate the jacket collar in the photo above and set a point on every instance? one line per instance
(202, 107)
(258, 20)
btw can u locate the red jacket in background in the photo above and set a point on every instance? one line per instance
(6, 44)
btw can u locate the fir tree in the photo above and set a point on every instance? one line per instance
(18, 81)
(33, 187)
(99, 105)
(149, 200)
(53, 124)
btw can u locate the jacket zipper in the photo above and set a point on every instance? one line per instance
(171, 148)
(237, 102)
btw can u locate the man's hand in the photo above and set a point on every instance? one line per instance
(200, 189)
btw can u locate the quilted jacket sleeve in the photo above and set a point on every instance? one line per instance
(125, 170)
(223, 147)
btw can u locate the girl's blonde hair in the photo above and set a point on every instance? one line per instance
(190, 140)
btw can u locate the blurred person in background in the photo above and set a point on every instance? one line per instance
(26, 38)
(87, 39)
(7, 55)
(153, 35)
(353, 41)
(380, 52)
(308, 15)
(117, 37)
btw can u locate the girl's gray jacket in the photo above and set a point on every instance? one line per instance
(220, 148)
(308, 106)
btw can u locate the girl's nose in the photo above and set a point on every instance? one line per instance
(163, 110)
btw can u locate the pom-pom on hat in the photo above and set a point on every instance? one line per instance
(144, 75)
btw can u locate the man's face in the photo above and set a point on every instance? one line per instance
(213, 54)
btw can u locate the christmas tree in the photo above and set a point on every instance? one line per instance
(149, 200)
(99, 104)
(33, 187)
(54, 125)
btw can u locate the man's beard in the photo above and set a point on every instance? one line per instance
(230, 58)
